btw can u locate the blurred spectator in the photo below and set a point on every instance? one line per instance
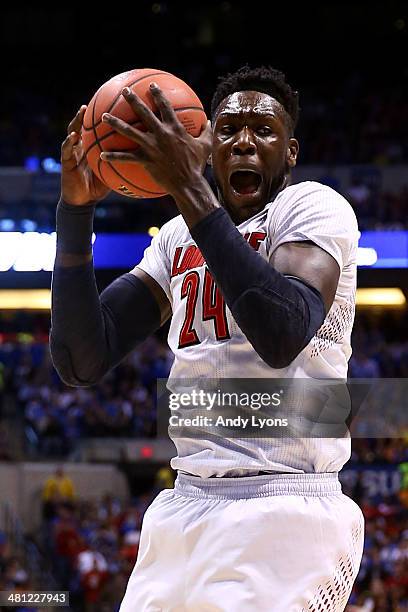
(92, 582)
(130, 546)
(58, 490)
(362, 366)
(164, 478)
(15, 574)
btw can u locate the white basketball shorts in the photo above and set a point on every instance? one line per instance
(273, 543)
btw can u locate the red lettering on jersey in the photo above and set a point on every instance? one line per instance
(176, 260)
(255, 239)
(192, 257)
(189, 290)
(214, 307)
(185, 262)
(197, 260)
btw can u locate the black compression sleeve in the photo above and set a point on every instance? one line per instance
(74, 228)
(90, 334)
(278, 315)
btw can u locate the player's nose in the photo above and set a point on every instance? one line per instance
(244, 143)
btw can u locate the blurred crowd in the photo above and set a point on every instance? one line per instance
(380, 345)
(353, 124)
(376, 209)
(382, 582)
(56, 416)
(92, 544)
(14, 574)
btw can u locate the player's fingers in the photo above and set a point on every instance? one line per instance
(76, 123)
(207, 127)
(166, 110)
(206, 135)
(125, 129)
(142, 111)
(134, 158)
(67, 147)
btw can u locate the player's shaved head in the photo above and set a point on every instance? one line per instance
(263, 79)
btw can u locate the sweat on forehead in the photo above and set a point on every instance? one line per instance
(254, 102)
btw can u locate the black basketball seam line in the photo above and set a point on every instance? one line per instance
(111, 133)
(95, 134)
(125, 180)
(118, 96)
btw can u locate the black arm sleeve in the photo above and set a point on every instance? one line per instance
(90, 334)
(279, 315)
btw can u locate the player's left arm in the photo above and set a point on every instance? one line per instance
(307, 262)
(279, 305)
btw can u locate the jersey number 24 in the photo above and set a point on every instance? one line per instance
(213, 307)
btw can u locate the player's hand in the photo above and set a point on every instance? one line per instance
(79, 185)
(169, 153)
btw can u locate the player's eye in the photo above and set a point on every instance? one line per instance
(227, 130)
(264, 130)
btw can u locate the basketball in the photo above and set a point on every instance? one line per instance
(131, 179)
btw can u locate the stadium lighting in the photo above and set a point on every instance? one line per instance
(40, 299)
(51, 166)
(25, 299)
(381, 296)
(146, 452)
(28, 251)
(153, 231)
(366, 256)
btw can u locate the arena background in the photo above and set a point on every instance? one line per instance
(78, 529)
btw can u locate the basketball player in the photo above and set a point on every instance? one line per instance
(251, 525)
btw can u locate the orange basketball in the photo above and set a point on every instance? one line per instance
(132, 179)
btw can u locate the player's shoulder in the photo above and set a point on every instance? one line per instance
(312, 190)
(172, 225)
(174, 230)
(312, 197)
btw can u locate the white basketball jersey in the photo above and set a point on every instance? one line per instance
(207, 342)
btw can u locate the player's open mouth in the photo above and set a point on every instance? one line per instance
(245, 182)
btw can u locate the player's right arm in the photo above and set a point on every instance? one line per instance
(91, 333)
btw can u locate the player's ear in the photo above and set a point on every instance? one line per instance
(292, 152)
(209, 160)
